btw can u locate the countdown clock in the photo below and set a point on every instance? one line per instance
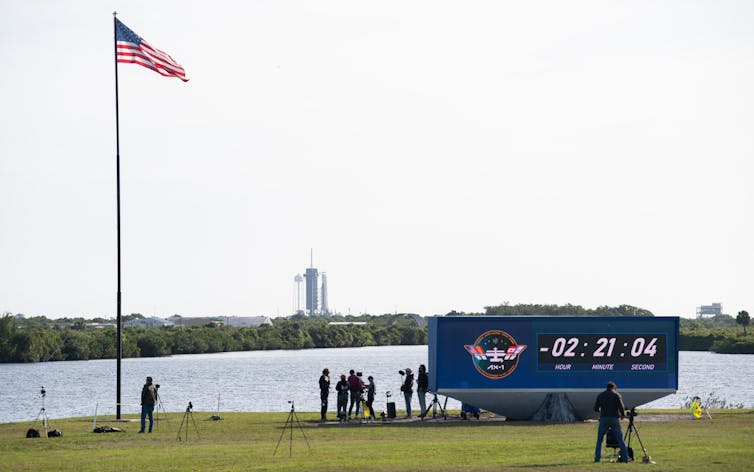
(524, 367)
(562, 352)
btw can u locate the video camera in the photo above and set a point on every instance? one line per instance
(42, 391)
(631, 414)
(189, 408)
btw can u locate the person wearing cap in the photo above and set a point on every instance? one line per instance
(408, 390)
(609, 404)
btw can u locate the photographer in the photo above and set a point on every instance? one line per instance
(324, 392)
(422, 384)
(609, 404)
(355, 385)
(342, 389)
(148, 401)
(408, 389)
(371, 389)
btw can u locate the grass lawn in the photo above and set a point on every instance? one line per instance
(246, 441)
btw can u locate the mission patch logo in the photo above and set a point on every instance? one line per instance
(495, 354)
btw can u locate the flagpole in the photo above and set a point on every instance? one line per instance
(119, 346)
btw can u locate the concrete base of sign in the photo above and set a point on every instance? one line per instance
(525, 403)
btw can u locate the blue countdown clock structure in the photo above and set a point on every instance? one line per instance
(515, 366)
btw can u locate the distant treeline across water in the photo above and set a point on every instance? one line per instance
(38, 339)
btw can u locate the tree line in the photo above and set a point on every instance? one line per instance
(40, 339)
(717, 334)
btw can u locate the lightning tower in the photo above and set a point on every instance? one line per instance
(325, 309)
(298, 279)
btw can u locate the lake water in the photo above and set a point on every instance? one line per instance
(266, 380)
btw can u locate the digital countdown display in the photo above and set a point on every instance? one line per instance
(520, 366)
(602, 352)
(554, 352)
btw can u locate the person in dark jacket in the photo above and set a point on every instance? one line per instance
(342, 389)
(355, 385)
(609, 404)
(371, 390)
(422, 384)
(148, 401)
(408, 390)
(324, 392)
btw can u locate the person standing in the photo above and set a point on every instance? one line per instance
(609, 404)
(355, 385)
(422, 384)
(342, 389)
(371, 389)
(324, 392)
(148, 401)
(408, 390)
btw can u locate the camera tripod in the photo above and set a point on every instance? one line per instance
(369, 418)
(188, 416)
(42, 411)
(632, 431)
(434, 405)
(292, 416)
(159, 407)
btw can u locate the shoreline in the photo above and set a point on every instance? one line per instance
(453, 416)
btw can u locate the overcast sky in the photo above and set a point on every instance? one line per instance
(436, 155)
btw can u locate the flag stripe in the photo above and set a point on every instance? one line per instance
(132, 49)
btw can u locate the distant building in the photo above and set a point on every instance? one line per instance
(152, 322)
(233, 321)
(312, 295)
(317, 300)
(247, 321)
(715, 309)
(101, 325)
(298, 279)
(325, 309)
(188, 321)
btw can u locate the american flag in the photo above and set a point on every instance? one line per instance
(132, 49)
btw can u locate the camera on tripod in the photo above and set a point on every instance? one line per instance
(188, 417)
(42, 391)
(632, 413)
